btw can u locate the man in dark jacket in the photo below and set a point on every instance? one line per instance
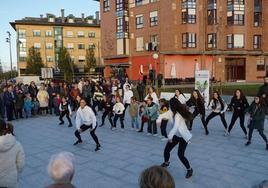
(263, 91)
(159, 79)
(52, 92)
(9, 99)
(141, 89)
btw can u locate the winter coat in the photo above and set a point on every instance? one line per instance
(198, 104)
(19, 101)
(152, 111)
(28, 104)
(12, 160)
(141, 88)
(43, 97)
(33, 91)
(257, 116)
(264, 90)
(239, 105)
(9, 98)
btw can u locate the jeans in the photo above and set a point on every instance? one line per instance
(163, 127)
(121, 117)
(152, 127)
(181, 150)
(27, 112)
(92, 133)
(134, 122)
(235, 116)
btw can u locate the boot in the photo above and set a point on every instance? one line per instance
(189, 173)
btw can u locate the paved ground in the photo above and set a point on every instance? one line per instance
(218, 162)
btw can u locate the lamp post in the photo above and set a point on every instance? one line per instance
(8, 40)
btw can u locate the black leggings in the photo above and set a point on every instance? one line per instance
(163, 127)
(152, 127)
(121, 117)
(260, 132)
(235, 116)
(181, 150)
(109, 114)
(92, 133)
(214, 114)
(195, 113)
(62, 114)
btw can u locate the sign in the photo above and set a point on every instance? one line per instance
(202, 84)
(46, 73)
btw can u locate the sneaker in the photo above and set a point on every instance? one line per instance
(113, 128)
(155, 134)
(248, 143)
(140, 131)
(164, 139)
(189, 173)
(267, 146)
(160, 136)
(97, 148)
(137, 130)
(101, 125)
(61, 123)
(207, 133)
(70, 125)
(132, 128)
(149, 134)
(77, 142)
(122, 130)
(165, 164)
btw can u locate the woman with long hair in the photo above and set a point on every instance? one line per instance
(238, 104)
(180, 96)
(257, 111)
(218, 107)
(179, 134)
(108, 110)
(197, 101)
(151, 93)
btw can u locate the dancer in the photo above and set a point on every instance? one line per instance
(152, 112)
(197, 101)
(133, 112)
(151, 93)
(179, 134)
(108, 110)
(164, 106)
(257, 111)
(86, 119)
(127, 98)
(218, 107)
(118, 109)
(238, 104)
(180, 96)
(65, 109)
(142, 113)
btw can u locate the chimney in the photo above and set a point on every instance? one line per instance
(41, 15)
(62, 15)
(97, 13)
(83, 17)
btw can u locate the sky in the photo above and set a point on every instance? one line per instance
(11, 10)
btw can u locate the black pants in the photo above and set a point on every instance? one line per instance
(121, 117)
(163, 127)
(260, 132)
(62, 114)
(126, 105)
(181, 150)
(235, 116)
(141, 96)
(10, 110)
(159, 83)
(104, 115)
(195, 113)
(18, 113)
(50, 104)
(152, 127)
(214, 114)
(96, 103)
(92, 133)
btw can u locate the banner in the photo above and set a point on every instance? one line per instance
(202, 84)
(46, 73)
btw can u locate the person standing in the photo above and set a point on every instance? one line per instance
(9, 100)
(2, 102)
(87, 94)
(86, 119)
(43, 99)
(141, 89)
(218, 107)
(197, 101)
(127, 98)
(19, 100)
(263, 91)
(257, 111)
(74, 93)
(238, 104)
(118, 109)
(143, 115)
(179, 134)
(33, 90)
(152, 112)
(65, 109)
(151, 93)
(164, 106)
(133, 112)
(160, 79)
(108, 110)
(28, 105)
(52, 92)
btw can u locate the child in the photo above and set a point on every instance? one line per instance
(133, 112)
(28, 105)
(36, 106)
(108, 110)
(65, 109)
(152, 112)
(164, 108)
(56, 104)
(142, 113)
(118, 109)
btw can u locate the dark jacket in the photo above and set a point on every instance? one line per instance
(87, 91)
(141, 87)
(198, 104)
(257, 115)
(9, 98)
(239, 105)
(33, 91)
(264, 90)
(19, 101)
(52, 90)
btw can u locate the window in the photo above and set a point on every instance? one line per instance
(91, 34)
(235, 12)
(70, 46)
(37, 45)
(49, 59)
(22, 46)
(49, 46)
(139, 44)
(139, 21)
(119, 25)
(153, 18)
(36, 33)
(48, 33)
(189, 40)
(22, 34)
(23, 57)
(212, 12)
(81, 59)
(51, 19)
(154, 43)
(257, 41)
(212, 40)
(80, 34)
(138, 2)
(70, 34)
(106, 5)
(119, 5)
(188, 11)
(154, 38)
(91, 46)
(81, 46)
(257, 13)
(235, 41)
(260, 63)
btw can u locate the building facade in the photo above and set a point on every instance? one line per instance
(224, 36)
(49, 34)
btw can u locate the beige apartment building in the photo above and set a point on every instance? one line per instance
(50, 33)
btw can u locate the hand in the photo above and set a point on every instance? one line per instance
(222, 112)
(170, 140)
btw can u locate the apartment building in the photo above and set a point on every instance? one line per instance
(226, 37)
(50, 33)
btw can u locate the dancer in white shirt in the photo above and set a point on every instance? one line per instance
(86, 119)
(127, 98)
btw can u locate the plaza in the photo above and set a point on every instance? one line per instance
(218, 161)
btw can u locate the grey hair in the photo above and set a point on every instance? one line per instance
(61, 167)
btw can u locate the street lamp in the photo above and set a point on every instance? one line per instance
(8, 40)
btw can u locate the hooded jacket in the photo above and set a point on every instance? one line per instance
(12, 160)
